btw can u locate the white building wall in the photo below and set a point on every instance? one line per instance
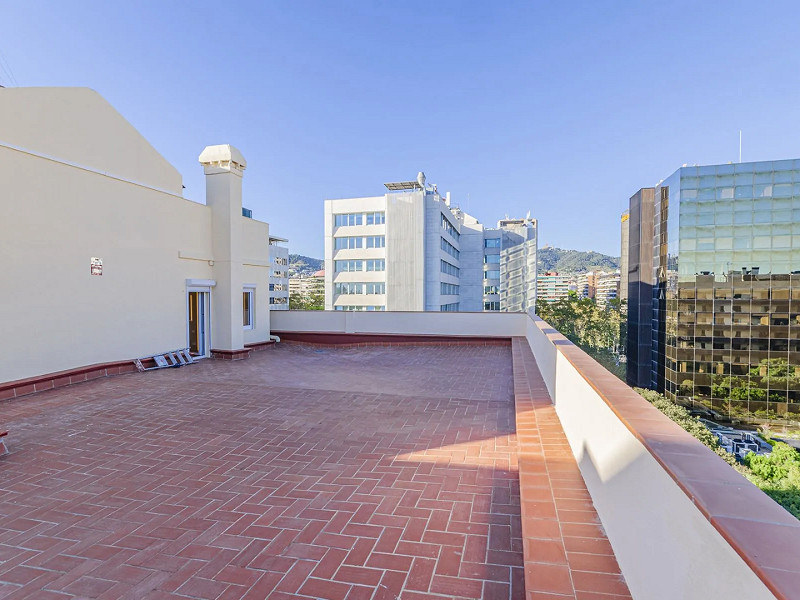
(472, 236)
(518, 266)
(88, 185)
(436, 209)
(361, 206)
(405, 251)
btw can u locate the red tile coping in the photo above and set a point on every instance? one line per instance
(239, 354)
(259, 346)
(31, 385)
(766, 536)
(565, 549)
(322, 338)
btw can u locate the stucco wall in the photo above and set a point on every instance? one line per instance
(56, 216)
(74, 124)
(405, 251)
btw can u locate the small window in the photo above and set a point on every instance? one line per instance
(248, 308)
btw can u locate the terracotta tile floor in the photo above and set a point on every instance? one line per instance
(385, 472)
(567, 553)
(360, 473)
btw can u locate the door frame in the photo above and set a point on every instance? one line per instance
(202, 286)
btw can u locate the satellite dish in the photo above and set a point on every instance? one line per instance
(421, 179)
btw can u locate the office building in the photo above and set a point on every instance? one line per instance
(725, 319)
(518, 264)
(640, 288)
(624, 236)
(279, 274)
(411, 250)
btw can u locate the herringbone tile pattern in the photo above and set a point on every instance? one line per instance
(376, 473)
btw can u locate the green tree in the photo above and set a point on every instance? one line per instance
(313, 301)
(597, 330)
(584, 322)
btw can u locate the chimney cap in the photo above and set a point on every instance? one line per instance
(222, 155)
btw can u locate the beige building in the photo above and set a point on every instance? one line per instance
(103, 258)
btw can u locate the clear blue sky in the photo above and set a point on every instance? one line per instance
(561, 108)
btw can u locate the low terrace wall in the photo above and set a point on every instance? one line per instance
(321, 326)
(682, 523)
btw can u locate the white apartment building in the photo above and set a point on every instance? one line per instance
(608, 287)
(410, 250)
(279, 274)
(552, 286)
(307, 286)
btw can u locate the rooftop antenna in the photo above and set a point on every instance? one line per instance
(740, 145)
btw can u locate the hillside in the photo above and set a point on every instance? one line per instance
(550, 259)
(574, 261)
(305, 263)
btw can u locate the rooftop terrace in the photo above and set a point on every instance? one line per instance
(426, 459)
(376, 472)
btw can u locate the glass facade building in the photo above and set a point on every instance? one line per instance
(725, 316)
(640, 288)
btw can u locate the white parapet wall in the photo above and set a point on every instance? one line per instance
(402, 323)
(666, 547)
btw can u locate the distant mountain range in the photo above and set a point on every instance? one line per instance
(305, 264)
(550, 259)
(574, 261)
